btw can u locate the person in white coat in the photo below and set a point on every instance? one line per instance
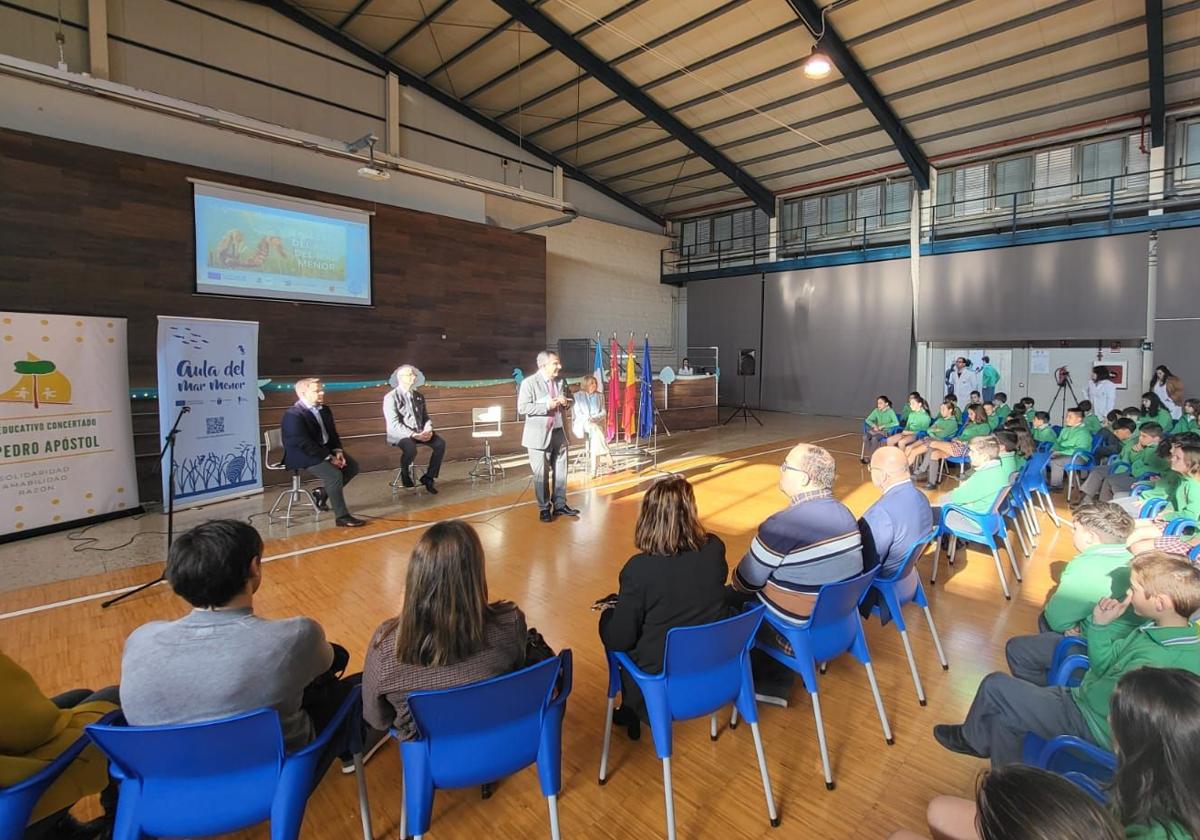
(963, 380)
(1102, 392)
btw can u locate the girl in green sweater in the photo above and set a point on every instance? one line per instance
(879, 424)
(1187, 422)
(1153, 411)
(918, 421)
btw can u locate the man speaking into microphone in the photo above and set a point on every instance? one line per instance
(543, 400)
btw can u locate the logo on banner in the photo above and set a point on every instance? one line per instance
(39, 382)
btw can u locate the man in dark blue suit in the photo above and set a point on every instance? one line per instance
(311, 442)
(902, 516)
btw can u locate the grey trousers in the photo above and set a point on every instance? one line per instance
(549, 468)
(334, 480)
(1029, 657)
(1057, 476)
(1006, 708)
(1102, 486)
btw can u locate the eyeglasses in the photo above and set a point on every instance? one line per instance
(786, 466)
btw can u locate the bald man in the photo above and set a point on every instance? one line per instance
(902, 515)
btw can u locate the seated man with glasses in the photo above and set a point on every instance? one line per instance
(813, 541)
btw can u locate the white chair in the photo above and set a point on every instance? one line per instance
(296, 494)
(485, 426)
(417, 471)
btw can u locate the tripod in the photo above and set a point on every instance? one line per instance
(168, 450)
(1063, 388)
(744, 409)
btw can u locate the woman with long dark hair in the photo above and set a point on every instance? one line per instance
(1153, 411)
(447, 633)
(1169, 389)
(677, 579)
(1101, 392)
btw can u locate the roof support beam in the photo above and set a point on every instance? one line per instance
(599, 69)
(1158, 91)
(490, 35)
(350, 45)
(421, 24)
(353, 13)
(858, 79)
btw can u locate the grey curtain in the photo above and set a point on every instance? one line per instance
(727, 313)
(1177, 342)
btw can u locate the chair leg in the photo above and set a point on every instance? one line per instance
(937, 556)
(1070, 485)
(608, 716)
(766, 779)
(1003, 577)
(816, 704)
(552, 800)
(887, 729)
(712, 726)
(912, 667)
(1033, 517)
(1012, 558)
(364, 806)
(937, 642)
(733, 720)
(403, 811)
(1053, 513)
(669, 798)
(1016, 520)
(953, 548)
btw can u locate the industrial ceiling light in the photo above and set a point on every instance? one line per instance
(817, 66)
(371, 171)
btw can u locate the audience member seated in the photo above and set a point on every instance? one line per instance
(1164, 590)
(447, 633)
(1100, 570)
(1167, 484)
(408, 425)
(813, 541)
(977, 425)
(1153, 411)
(1042, 431)
(35, 730)
(1029, 411)
(978, 491)
(941, 431)
(1187, 421)
(1140, 452)
(588, 417)
(1113, 436)
(1090, 421)
(916, 421)
(879, 426)
(1003, 409)
(1180, 487)
(1019, 803)
(677, 579)
(953, 400)
(1015, 449)
(1155, 718)
(1073, 438)
(892, 525)
(221, 659)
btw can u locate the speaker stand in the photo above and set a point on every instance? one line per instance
(744, 411)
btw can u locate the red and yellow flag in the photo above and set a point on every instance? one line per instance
(631, 394)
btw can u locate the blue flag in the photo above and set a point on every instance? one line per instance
(646, 401)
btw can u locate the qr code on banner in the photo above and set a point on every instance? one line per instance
(216, 425)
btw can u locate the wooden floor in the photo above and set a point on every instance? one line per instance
(554, 572)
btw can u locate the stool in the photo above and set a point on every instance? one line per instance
(273, 441)
(486, 425)
(416, 470)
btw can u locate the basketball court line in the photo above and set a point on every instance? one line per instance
(95, 596)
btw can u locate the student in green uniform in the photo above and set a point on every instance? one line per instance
(1003, 409)
(1165, 591)
(953, 400)
(902, 411)
(942, 429)
(1138, 456)
(918, 421)
(976, 426)
(1040, 426)
(1155, 718)
(1187, 421)
(1185, 501)
(1090, 420)
(1073, 439)
(879, 424)
(1153, 411)
(1029, 410)
(978, 492)
(993, 421)
(1110, 439)
(1169, 483)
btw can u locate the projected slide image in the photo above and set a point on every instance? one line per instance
(263, 245)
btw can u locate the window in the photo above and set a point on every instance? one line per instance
(1191, 151)
(687, 238)
(1053, 176)
(1013, 178)
(1099, 163)
(867, 207)
(836, 214)
(1137, 164)
(971, 189)
(722, 232)
(945, 195)
(897, 202)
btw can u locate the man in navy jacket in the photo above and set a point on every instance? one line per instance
(311, 442)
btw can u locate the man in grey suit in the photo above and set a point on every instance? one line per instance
(542, 401)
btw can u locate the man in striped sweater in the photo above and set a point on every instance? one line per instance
(813, 541)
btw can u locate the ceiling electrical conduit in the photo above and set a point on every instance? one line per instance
(228, 121)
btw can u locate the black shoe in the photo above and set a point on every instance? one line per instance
(864, 460)
(545, 515)
(951, 737)
(321, 498)
(428, 482)
(930, 486)
(486, 790)
(406, 478)
(565, 510)
(349, 521)
(69, 828)
(373, 741)
(626, 718)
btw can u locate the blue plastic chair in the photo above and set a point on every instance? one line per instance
(1082, 461)
(1179, 527)
(1069, 661)
(833, 628)
(1015, 508)
(705, 668)
(1035, 486)
(201, 779)
(17, 801)
(990, 526)
(484, 731)
(902, 588)
(1085, 764)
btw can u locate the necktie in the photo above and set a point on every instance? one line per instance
(316, 410)
(553, 415)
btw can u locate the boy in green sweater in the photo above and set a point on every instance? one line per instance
(1000, 401)
(1090, 420)
(1074, 439)
(1040, 426)
(1164, 590)
(1138, 456)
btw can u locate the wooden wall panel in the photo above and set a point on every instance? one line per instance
(91, 231)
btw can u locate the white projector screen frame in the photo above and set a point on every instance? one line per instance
(236, 275)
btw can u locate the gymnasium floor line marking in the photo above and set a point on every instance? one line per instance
(95, 596)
